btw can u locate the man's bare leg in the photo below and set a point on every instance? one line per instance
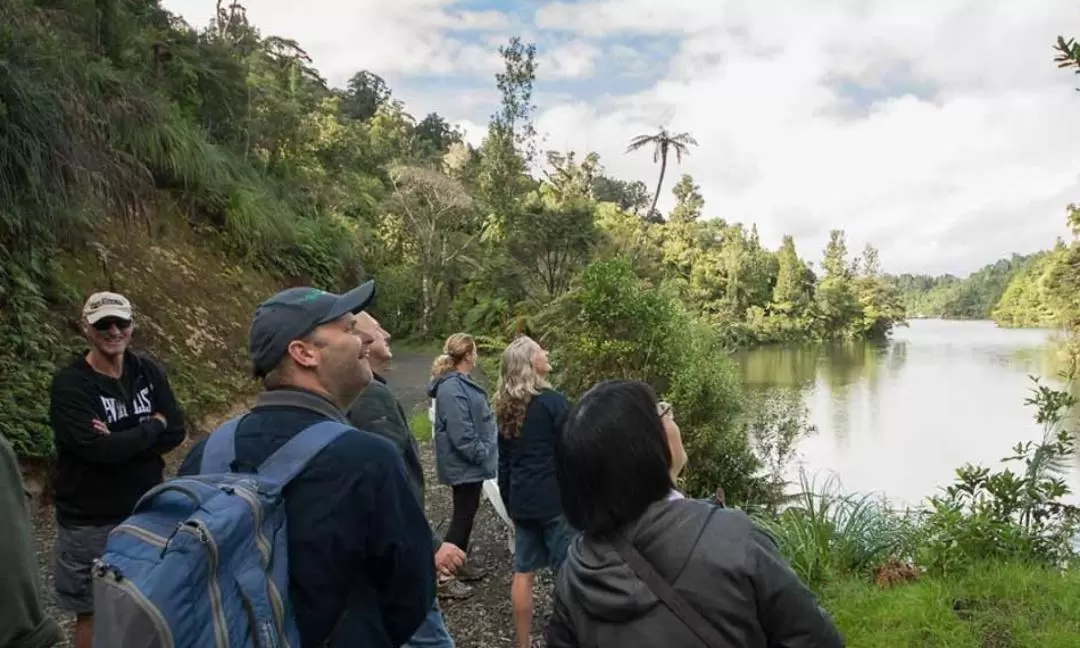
(84, 631)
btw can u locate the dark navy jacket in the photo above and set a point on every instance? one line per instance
(359, 546)
(527, 480)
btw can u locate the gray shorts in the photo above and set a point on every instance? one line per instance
(74, 553)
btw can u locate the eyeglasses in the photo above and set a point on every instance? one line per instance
(663, 408)
(107, 323)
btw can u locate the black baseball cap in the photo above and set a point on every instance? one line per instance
(293, 313)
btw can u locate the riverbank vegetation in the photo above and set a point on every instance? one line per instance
(991, 561)
(951, 297)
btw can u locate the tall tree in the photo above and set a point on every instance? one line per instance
(509, 146)
(431, 213)
(663, 143)
(789, 295)
(629, 196)
(837, 303)
(365, 92)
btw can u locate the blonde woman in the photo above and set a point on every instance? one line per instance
(466, 444)
(528, 411)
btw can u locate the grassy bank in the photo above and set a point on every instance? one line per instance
(995, 605)
(882, 575)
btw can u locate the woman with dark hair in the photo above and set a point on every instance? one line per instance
(652, 568)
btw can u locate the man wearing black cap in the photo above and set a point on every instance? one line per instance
(360, 566)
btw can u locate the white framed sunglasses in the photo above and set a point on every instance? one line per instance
(663, 408)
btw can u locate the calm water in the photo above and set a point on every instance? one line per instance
(899, 417)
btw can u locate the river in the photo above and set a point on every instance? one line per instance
(899, 417)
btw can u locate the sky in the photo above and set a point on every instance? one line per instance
(940, 132)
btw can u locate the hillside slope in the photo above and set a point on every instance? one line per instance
(192, 308)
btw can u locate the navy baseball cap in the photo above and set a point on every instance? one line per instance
(291, 314)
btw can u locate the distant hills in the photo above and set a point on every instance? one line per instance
(1020, 291)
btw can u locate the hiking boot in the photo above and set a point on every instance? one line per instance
(454, 589)
(469, 572)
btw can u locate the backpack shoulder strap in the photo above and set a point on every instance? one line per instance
(287, 462)
(691, 618)
(219, 451)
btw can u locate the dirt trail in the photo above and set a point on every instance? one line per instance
(482, 621)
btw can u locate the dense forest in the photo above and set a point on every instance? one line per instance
(950, 297)
(110, 108)
(1024, 291)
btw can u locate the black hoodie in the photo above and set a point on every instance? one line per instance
(98, 478)
(726, 567)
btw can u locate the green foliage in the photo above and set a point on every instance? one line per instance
(1010, 515)
(1000, 605)
(28, 352)
(973, 297)
(616, 326)
(826, 534)
(1035, 295)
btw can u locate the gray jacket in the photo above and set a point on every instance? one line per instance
(466, 437)
(23, 620)
(727, 568)
(377, 410)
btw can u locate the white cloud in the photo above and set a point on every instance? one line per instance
(474, 133)
(980, 168)
(389, 38)
(574, 60)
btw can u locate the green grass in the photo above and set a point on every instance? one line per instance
(994, 606)
(825, 533)
(420, 425)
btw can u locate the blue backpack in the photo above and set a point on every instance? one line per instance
(202, 560)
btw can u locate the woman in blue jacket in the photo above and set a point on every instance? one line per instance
(466, 439)
(529, 412)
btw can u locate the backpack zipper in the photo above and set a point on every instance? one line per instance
(140, 533)
(276, 603)
(199, 530)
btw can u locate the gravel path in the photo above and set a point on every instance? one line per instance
(482, 621)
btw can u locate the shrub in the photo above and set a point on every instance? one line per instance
(1005, 515)
(614, 325)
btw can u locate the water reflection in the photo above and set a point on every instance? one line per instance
(899, 417)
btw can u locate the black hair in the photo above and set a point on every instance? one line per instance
(612, 458)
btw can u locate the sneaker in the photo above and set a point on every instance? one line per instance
(452, 588)
(469, 572)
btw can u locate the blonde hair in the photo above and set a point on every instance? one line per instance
(456, 348)
(518, 384)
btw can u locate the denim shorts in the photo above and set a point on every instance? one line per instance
(541, 543)
(75, 551)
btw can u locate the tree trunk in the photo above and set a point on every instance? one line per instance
(659, 184)
(425, 312)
